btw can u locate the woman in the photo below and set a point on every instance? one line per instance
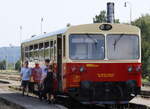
(48, 85)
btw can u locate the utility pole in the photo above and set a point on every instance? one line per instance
(20, 34)
(41, 25)
(6, 58)
(125, 5)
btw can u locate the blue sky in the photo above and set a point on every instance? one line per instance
(56, 14)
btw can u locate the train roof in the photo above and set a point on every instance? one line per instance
(61, 31)
(81, 28)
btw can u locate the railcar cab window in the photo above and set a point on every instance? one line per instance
(87, 46)
(122, 46)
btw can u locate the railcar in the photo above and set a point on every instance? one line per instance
(94, 63)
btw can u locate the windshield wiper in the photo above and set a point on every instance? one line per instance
(95, 41)
(117, 40)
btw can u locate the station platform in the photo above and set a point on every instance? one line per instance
(141, 101)
(17, 101)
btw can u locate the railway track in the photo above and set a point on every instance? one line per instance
(71, 104)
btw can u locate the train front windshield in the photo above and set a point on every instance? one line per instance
(92, 47)
(122, 47)
(87, 47)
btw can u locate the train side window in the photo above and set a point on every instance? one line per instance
(36, 54)
(46, 45)
(40, 45)
(27, 48)
(31, 47)
(47, 50)
(64, 46)
(51, 49)
(41, 51)
(51, 43)
(55, 50)
(26, 53)
(22, 52)
(31, 55)
(35, 46)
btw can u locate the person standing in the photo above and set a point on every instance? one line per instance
(25, 77)
(45, 70)
(48, 86)
(36, 75)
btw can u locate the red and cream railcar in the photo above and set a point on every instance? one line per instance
(94, 63)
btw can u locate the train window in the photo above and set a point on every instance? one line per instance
(26, 55)
(31, 55)
(26, 48)
(51, 49)
(31, 47)
(55, 49)
(41, 54)
(36, 54)
(64, 46)
(47, 50)
(35, 46)
(51, 43)
(40, 45)
(122, 46)
(46, 45)
(86, 46)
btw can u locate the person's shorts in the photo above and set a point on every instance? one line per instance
(24, 83)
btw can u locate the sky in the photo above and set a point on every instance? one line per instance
(57, 14)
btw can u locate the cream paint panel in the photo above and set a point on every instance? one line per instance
(93, 29)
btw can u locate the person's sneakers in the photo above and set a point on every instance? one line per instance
(22, 93)
(40, 97)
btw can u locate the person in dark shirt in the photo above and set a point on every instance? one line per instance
(48, 85)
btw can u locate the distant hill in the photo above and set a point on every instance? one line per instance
(11, 54)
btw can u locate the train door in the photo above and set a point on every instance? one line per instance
(59, 61)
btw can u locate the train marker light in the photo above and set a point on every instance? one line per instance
(105, 27)
(130, 69)
(82, 69)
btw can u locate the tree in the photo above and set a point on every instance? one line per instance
(3, 65)
(144, 24)
(102, 18)
(18, 65)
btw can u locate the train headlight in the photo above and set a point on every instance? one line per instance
(130, 69)
(82, 69)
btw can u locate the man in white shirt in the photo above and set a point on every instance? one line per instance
(25, 76)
